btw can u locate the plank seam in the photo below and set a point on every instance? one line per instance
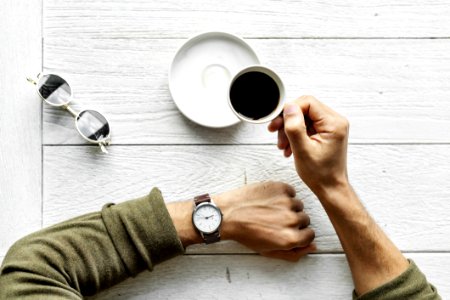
(314, 254)
(249, 144)
(42, 117)
(262, 38)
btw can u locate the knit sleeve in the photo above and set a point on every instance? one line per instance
(84, 255)
(411, 284)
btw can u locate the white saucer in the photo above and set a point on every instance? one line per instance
(201, 72)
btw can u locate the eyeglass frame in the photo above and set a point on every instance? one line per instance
(102, 143)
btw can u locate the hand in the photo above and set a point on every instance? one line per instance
(267, 218)
(317, 136)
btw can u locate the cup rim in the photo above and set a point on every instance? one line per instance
(270, 72)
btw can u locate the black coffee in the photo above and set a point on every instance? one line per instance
(254, 95)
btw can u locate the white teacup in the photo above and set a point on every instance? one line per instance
(256, 94)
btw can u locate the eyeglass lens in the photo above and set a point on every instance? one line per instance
(93, 125)
(54, 89)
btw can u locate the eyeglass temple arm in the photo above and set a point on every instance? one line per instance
(103, 147)
(31, 80)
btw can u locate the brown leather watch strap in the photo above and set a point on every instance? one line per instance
(211, 238)
(201, 199)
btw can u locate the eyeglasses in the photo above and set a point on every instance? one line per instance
(91, 124)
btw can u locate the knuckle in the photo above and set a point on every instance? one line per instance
(282, 187)
(285, 202)
(289, 189)
(345, 124)
(291, 240)
(308, 236)
(293, 128)
(305, 220)
(299, 204)
(342, 127)
(307, 98)
(292, 219)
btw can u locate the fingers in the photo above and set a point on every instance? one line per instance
(303, 220)
(297, 220)
(294, 131)
(283, 141)
(293, 254)
(323, 118)
(295, 128)
(288, 151)
(276, 124)
(305, 237)
(289, 189)
(297, 205)
(313, 108)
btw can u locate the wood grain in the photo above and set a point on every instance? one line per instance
(266, 18)
(254, 277)
(377, 62)
(404, 187)
(20, 121)
(391, 90)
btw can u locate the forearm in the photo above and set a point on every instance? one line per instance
(372, 257)
(89, 253)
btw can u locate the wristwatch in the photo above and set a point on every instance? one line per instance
(207, 218)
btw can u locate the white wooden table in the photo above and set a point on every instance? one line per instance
(383, 64)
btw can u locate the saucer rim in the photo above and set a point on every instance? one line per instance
(211, 34)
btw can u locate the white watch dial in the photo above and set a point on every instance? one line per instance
(207, 218)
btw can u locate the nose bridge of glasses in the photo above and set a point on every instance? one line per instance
(70, 110)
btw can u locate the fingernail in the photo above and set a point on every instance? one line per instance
(291, 109)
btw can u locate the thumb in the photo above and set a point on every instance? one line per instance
(295, 127)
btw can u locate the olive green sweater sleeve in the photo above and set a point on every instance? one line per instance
(86, 254)
(411, 284)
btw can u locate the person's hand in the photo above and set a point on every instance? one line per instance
(317, 136)
(267, 218)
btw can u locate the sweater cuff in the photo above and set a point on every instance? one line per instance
(142, 232)
(411, 284)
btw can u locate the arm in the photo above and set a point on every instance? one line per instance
(89, 253)
(84, 255)
(317, 137)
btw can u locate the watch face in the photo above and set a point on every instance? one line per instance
(207, 218)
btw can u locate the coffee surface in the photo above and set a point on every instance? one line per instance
(254, 95)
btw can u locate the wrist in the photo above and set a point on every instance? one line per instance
(181, 214)
(338, 195)
(225, 204)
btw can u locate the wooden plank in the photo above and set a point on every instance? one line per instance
(391, 90)
(266, 18)
(405, 187)
(20, 120)
(254, 277)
